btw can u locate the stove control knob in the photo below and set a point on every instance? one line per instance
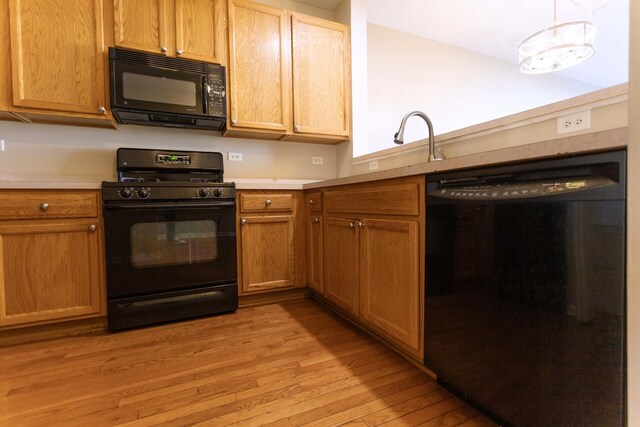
(217, 192)
(125, 193)
(203, 192)
(143, 193)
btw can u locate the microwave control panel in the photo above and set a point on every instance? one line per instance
(216, 91)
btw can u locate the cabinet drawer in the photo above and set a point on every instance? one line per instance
(47, 204)
(314, 201)
(399, 199)
(266, 202)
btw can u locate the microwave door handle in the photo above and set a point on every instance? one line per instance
(205, 95)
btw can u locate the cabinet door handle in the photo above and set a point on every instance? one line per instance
(360, 225)
(163, 49)
(296, 127)
(311, 201)
(316, 220)
(92, 227)
(102, 109)
(268, 203)
(44, 206)
(179, 51)
(243, 221)
(352, 225)
(233, 122)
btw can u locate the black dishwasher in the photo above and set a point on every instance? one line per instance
(525, 289)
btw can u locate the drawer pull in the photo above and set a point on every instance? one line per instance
(44, 206)
(316, 220)
(268, 203)
(243, 221)
(311, 201)
(92, 227)
(360, 225)
(352, 225)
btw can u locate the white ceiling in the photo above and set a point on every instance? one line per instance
(496, 27)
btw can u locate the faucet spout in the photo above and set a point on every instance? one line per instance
(398, 138)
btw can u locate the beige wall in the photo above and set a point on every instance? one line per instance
(50, 150)
(456, 87)
(633, 223)
(602, 118)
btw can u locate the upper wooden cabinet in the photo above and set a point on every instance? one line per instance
(141, 24)
(289, 75)
(321, 77)
(57, 56)
(192, 29)
(259, 68)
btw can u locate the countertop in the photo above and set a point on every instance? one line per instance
(597, 141)
(591, 142)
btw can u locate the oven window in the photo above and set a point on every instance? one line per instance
(158, 89)
(155, 244)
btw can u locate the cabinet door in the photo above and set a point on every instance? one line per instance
(321, 76)
(49, 270)
(200, 30)
(259, 67)
(143, 25)
(391, 285)
(57, 55)
(314, 253)
(5, 60)
(267, 254)
(342, 263)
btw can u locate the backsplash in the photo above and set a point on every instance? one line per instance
(56, 150)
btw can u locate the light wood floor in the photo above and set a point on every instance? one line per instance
(285, 364)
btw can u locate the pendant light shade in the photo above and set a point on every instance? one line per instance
(558, 47)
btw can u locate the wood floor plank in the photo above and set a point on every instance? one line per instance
(279, 365)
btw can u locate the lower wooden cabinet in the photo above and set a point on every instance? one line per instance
(270, 241)
(390, 292)
(314, 240)
(50, 269)
(373, 239)
(267, 252)
(342, 263)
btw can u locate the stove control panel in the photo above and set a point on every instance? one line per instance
(207, 192)
(118, 191)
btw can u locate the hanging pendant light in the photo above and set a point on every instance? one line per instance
(558, 47)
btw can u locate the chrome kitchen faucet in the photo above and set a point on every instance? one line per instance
(398, 137)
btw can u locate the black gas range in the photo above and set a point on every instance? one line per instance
(170, 238)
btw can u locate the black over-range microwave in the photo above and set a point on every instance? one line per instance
(156, 90)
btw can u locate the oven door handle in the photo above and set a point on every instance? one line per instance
(167, 205)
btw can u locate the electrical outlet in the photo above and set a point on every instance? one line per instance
(235, 157)
(373, 165)
(574, 122)
(317, 160)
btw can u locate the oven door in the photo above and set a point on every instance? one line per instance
(161, 247)
(140, 87)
